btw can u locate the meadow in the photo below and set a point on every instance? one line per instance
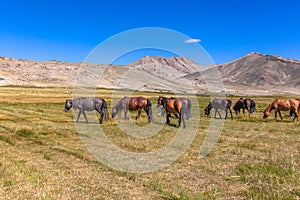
(43, 157)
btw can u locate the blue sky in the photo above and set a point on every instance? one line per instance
(69, 30)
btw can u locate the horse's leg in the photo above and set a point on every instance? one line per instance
(168, 118)
(249, 110)
(125, 113)
(219, 114)
(149, 114)
(243, 111)
(275, 114)
(101, 114)
(181, 118)
(139, 113)
(215, 114)
(296, 115)
(226, 112)
(230, 113)
(280, 115)
(86, 120)
(79, 113)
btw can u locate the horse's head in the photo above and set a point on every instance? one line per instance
(266, 114)
(114, 112)
(207, 110)
(236, 109)
(160, 101)
(68, 105)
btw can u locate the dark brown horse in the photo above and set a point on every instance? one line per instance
(219, 104)
(88, 104)
(173, 106)
(283, 105)
(244, 103)
(133, 104)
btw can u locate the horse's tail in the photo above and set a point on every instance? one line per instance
(149, 108)
(252, 107)
(184, 109)
(189, 107)
(229, 104)
(106, 115)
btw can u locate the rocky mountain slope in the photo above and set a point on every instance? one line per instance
(257, 71)
(252, 73)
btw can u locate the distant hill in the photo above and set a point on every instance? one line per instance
(254, 73)
(257, 71)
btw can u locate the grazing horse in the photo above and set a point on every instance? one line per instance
(219, 104)
(173, 106)
(88, 104)
(283, 105)
(133, 104)
(183, 100)
(244, 103)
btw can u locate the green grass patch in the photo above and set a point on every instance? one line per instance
(7, 140)
(25, 133)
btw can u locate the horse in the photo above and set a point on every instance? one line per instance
(133, 104)
(183, 100)
(283, 105)
(173, 106)
(244, 103)
(88, 104)
(219, 104)
(292, 112)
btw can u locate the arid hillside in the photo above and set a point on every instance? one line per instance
(254, 73)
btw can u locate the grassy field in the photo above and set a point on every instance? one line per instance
(43, 157)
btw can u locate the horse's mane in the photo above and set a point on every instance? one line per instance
(270, 106)
(118, 106)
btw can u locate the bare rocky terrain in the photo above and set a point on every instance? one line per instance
(254, 73)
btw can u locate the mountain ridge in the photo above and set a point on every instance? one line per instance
(254, 71)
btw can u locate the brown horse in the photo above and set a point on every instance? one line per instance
(133, 104)
(183, 100)
(283, 105)
(173, 106)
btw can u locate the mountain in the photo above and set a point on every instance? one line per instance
(258, 71)
(254, 73)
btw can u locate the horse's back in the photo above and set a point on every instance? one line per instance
(136, 103)
(295, 103)
(83, 103)
(173, 106)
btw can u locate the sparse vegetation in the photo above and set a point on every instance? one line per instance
(42, 156)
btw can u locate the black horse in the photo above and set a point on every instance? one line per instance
(133, 104)
(219, 104)
(244, 103)
(88, 104)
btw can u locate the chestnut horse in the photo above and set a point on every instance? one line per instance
(283, 105)
(133, 104)
(182, 99)
(219, 104)
(244, 103)
(173, 106)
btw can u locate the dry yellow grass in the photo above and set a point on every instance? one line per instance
(42, 156)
